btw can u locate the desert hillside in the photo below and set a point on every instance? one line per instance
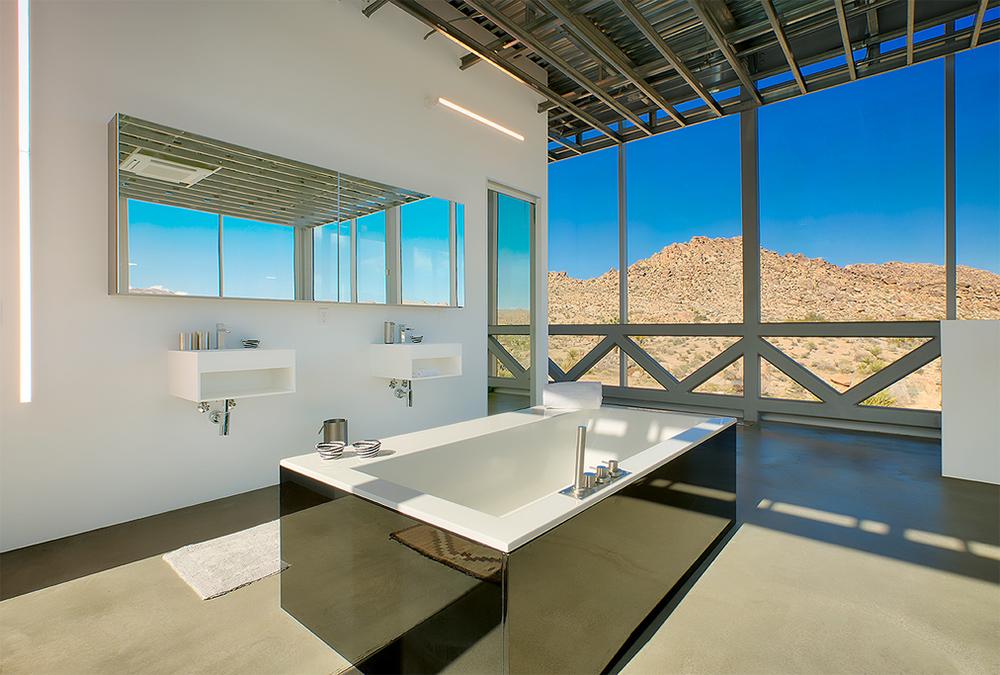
(701, 281)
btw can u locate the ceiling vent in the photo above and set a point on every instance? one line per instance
(144, 163)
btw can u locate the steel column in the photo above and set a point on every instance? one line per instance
(622, 257)
(950, 239)
(750, 203)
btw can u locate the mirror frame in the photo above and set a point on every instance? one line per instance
(304, 278)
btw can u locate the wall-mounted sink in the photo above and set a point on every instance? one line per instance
(423, 361)
(220, 374)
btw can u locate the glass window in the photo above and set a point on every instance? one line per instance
(583, 239)
(345, 261)
(329, 266)
(258, 259)
(371, 258)
(424, 234)
(460, 251)
(680, 355)
(851, 201)
(513, 260)
(684, 228)
(845, 362)
(977, 179)
(172, 250)
(920, 390)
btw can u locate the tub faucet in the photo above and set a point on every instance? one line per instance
(580, 479)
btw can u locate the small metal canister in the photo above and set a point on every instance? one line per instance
(334, 430)
(389, 332)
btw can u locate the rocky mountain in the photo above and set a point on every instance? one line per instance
(700, 281)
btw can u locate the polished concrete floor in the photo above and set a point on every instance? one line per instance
(853, 555)
(501, 402)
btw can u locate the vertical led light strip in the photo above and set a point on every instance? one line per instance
(24, 196)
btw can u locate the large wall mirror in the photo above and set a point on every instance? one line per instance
(195, 216)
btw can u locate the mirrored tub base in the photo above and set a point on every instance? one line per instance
(396, 595)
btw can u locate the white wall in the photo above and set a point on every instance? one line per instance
(970, 400)
(102, 442)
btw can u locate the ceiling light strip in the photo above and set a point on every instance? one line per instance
(24, 198)
(479, 118)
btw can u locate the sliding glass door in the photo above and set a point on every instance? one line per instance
(511, 228)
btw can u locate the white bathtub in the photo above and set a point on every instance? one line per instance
(496, 480)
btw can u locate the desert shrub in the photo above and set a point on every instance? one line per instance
(871, 364)
(883, 399)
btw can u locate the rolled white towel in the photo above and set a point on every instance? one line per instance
(573, 395)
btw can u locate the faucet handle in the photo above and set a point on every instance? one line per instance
(613, 469)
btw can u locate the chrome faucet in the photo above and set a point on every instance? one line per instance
(220, 335)
(586, 483)
(580, 477)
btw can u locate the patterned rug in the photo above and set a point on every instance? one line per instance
(456, 552)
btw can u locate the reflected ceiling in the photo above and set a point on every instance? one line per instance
(237, 181)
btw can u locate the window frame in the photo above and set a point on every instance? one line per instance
(119, 271)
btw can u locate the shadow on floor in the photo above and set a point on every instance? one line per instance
(33, 567)
(873, 492)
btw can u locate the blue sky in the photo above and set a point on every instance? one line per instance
(424, 230)
(513, 261)
(176, 249)
(852, 174)
(820, 195)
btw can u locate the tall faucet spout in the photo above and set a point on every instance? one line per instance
(579, 482)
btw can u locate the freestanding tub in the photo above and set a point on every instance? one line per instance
(454, 549)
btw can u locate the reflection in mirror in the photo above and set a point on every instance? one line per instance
(259, 259)
(372, 276)
(332, 262)
(425, 233)
(172, 250)
(460, 256)
(191, 215)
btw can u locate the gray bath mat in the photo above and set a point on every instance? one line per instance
(217, 566)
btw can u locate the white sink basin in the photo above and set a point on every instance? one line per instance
(217, 374)
(423, 361)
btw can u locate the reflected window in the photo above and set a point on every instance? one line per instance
(977, 182)
(258, 259)
(172, 250)
(371, 258)
(425, 230)
(684, 236)
(851, 201)
(460, 251)
(513, 244)
(344, 266)
(583, 239)
(328, 261)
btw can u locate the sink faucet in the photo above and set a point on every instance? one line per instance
(220, 335)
